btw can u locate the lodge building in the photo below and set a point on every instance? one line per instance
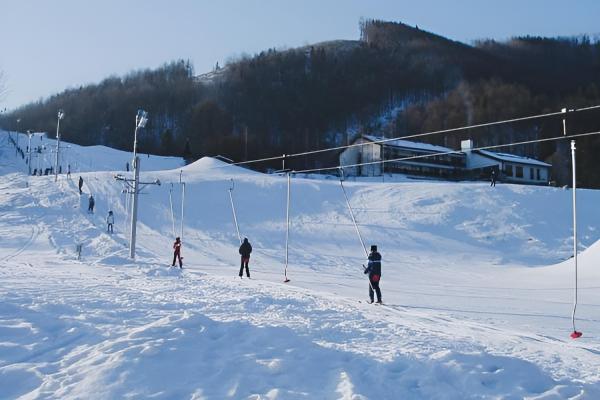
(374, 156)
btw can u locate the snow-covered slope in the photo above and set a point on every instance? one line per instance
(477, 280)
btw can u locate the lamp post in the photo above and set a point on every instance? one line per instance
(61, 115)
(17, 145)
(29, 135)
(140, 121)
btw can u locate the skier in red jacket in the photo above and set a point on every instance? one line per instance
(177, 252)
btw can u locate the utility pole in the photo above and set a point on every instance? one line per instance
(140, 121)
(29, 134)
(61, 115)
(17, 145)
(246, 143)
(134, 185)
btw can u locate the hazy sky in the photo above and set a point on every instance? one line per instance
(48, 46)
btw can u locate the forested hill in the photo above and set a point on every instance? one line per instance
(395, 80)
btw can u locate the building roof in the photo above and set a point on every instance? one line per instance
(410, 145)
(512, 158)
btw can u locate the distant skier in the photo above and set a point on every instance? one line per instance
(374, 271)
(91, 204)
(110, 220)
(177, 252)
(245, 250)
(493, 178)
(127, 166)
(80, 184)
(68, 171)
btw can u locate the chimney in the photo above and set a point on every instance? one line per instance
(466, 145)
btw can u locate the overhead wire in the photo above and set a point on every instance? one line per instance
(555, 138)
(413, 136)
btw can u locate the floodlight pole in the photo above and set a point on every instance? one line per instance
(140, 121)
(17, 145)
(29, 134)
(60, 115)
(136, 180)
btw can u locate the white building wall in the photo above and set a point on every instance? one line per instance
(362, 154)
(544, 174)
(350, 156)
(370, 153)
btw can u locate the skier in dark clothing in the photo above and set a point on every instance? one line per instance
(493, 178)
(245, 250)
(177, 252)
(374, 271)
(91, 204)
(80, 184)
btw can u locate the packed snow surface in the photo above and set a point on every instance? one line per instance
(477, 284)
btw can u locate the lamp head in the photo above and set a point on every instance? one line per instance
(61, 114)
(141, 118)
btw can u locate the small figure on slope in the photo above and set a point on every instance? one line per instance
(493, 178)
(245, 250)
(177, 252)
(110, 220)
(91, 204)
(374, 271)
(80, 184)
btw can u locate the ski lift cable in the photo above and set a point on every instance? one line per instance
(354, 222)
(287, 230)
(417, 135)
(352, 214)
(182, 208)
(237, 228)
(555, 138)
(171, 204)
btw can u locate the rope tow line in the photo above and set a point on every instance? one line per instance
(287, 229)
(413, 136)
(354, 221)
(306, 171)
(237, 228)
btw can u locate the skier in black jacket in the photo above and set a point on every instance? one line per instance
(374, 271)
(245, 250)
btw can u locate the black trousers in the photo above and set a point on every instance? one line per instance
(109, 228)
(244, 263)
(176, 256)
(374, 286)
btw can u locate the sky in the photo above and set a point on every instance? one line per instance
(49, 46)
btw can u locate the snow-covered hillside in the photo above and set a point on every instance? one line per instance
(477, 282)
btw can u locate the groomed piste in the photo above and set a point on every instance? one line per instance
(477, 286)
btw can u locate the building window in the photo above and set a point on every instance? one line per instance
(508, 170)
(519, 172)
(539, 178)
(531, 174)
